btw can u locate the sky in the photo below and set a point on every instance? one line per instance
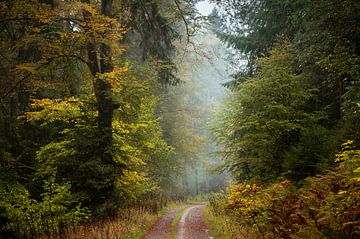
(204, 7)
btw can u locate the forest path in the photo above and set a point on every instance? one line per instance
(162, 228)
(190, 226)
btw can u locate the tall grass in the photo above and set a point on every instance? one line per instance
(223, 227)
(130, 224)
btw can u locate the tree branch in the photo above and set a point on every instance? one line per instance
(184, 20)
(23, 79)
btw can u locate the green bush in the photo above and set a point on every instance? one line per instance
(25, 217)
(322, 206)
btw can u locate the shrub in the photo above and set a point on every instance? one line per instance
(26, 217)
(323, 206)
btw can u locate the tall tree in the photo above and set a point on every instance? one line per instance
(323, 36)
(100, 63)
(266, 117)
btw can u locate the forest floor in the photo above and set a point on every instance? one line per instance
(184, 222)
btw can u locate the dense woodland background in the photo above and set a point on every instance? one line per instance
(99, 112)
(290, 129)
(105, 107)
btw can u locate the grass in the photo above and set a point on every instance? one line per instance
(170, 207)
(222, 227)
(131, 224)
(175, 223)
(217, 225)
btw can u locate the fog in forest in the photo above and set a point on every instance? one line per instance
(136, 118)
(203, 69)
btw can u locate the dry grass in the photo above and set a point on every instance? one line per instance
(222, 227)
(131, 224)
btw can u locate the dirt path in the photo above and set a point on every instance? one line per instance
(190, 226)
(162, 228)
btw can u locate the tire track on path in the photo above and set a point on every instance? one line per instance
(192, 225)
(162, 228)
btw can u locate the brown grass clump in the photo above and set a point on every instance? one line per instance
(130, 224)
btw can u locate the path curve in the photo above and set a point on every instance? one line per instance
(162, 228)
(192, 225)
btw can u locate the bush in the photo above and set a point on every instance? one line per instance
(25, 217)
(324, 206)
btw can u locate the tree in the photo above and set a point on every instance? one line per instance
(323, 32)
(323, 37)
(81, 111)
(267, 117)
(252, 27)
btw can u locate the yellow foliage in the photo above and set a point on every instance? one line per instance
(54, 110)
(242, 199)
(134, 184)
(325, 204)
(113, 75)
(131, 178)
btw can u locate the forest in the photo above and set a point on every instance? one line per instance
(119, 116)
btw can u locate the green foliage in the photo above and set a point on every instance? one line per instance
(153, 33)
(323, 206)
(314, 151)
(27, 217)
(139, 153)
(325, 37)
(288, 113)
(268, 123)
(351, 111)
(75, 110)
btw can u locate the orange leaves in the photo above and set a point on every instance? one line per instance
(90, 22)
(59, 32)
(114, 77)
(82, 6)
(63, 25)
(36, 29)
(26, 67)
(326, 204)
(31, 10)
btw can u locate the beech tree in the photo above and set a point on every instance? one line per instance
(78, 124)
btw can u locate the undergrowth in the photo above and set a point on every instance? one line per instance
(222, 226)
(131, 223)
(325, 206)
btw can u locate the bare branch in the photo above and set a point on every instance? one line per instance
(184, 20)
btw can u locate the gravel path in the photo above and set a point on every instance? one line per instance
(192, 225)
(162, 228)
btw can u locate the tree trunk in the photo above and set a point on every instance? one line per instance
(100, 62)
